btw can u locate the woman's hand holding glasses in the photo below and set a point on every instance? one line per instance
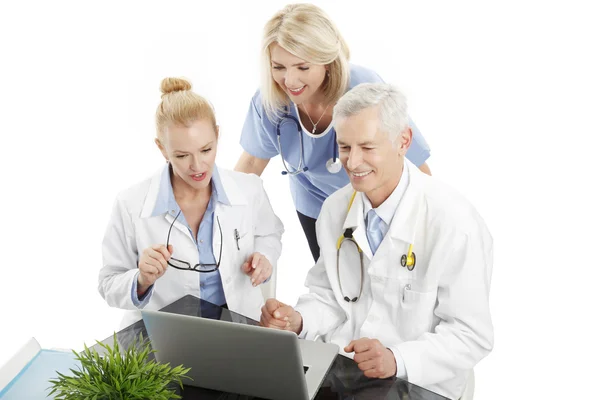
(258, 268)
(152, 265)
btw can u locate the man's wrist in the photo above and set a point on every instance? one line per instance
(394, 361)
(298, 323)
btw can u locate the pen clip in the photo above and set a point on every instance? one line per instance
(237, 238)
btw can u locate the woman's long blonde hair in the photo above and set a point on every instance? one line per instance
(307, 32)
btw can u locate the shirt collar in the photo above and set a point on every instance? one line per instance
(165, 200)
(387, 209)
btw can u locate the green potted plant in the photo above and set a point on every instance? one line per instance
(116, 375)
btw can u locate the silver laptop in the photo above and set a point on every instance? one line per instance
(239, 358)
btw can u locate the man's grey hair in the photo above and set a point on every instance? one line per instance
(391, 103)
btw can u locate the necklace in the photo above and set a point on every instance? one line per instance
(314, 124)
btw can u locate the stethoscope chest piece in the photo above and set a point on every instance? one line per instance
(408, 262)
(333, 166)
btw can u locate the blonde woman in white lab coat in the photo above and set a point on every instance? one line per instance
(425, 318)
(223, 237)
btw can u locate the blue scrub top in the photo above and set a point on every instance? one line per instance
(311, 188)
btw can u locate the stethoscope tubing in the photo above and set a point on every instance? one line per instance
(301, 164)
(408, 260)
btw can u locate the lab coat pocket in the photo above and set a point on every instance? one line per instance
(416, 310)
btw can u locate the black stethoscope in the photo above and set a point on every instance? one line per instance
(333, 165)
(408, 260)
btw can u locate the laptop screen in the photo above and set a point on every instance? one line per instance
(195, 307)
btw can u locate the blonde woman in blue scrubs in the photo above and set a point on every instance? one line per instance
(192, 228)
(305, 71)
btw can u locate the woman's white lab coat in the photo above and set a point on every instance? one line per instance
(436, 318)
(132, 229)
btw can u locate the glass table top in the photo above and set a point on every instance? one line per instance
(344, 381)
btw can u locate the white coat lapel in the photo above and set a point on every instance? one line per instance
(178, 225)
(403, 226)
(232, 190)
(407, 214)
(152, 195)
(150, 203)
(355, 221)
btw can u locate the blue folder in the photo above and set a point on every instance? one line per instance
(32, 382)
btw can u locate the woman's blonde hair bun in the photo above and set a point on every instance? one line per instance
(170, 85)
(179, 105)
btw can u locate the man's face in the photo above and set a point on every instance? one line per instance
(373, 162)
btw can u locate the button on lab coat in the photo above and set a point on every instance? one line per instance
(132, 229)
(436, 318)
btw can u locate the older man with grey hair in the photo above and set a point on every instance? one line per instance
(402, 283)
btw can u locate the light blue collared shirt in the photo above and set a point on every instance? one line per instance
(211, 287)
(387, 209)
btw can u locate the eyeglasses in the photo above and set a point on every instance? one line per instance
(186, 266)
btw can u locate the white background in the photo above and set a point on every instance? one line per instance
(506, 93)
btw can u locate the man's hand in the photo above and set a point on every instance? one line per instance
(258, 268)
(278, 315)
(375, 360)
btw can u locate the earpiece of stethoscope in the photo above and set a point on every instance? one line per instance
(409, 261)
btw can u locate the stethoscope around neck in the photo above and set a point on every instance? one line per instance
(333, 165)
(408, 260)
